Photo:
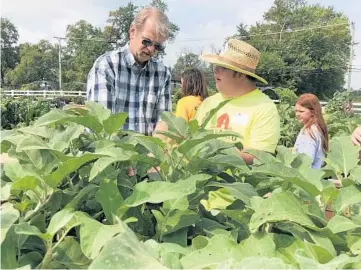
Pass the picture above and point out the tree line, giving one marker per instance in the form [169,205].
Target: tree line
[304,47]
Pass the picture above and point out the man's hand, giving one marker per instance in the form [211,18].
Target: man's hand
[161,126]
[356,137]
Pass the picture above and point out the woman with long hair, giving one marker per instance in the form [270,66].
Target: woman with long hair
[313,138]
[194,91]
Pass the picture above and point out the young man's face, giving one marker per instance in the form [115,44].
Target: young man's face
[144,43]
[226,81]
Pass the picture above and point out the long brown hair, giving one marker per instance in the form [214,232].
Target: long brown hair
[311,102]
[194,83]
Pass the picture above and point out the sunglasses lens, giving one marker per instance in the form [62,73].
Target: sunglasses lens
[147,42]
[159,47]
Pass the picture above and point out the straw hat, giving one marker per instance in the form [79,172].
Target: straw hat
[238,56]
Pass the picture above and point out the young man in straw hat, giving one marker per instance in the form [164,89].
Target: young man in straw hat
[250,113]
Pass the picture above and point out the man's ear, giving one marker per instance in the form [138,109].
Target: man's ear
[132,31]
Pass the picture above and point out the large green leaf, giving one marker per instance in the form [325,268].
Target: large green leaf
[347,196]
[88,121]
[14,170]
[5,190]
[53,116]
[31,259]
[8,248]
[61,140]
[219,249]
[285,155]
[338,262]
[110,199]
[262,156]
[59,220]
[176,125]
[208,117]
[203,137]
[280,207]
[27,229]
[100,165]
[69,254]
[31,142]
[343,155]
[8,216]
[261,262]
[259,244]
[68,167]
[218,200]
[114,122]
[97,110]
[94,235]
[356,174]
[153,145]
[167,253]
[293,175]
[25,183]
[240,191]
[125,251]
[43,132]
[175,220]
[157,192]
[341,224]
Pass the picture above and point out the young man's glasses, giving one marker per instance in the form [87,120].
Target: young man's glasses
[147,43]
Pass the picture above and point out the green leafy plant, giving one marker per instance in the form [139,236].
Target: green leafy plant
[69,201]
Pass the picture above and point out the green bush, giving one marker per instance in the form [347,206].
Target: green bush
[68,201]
[23,111]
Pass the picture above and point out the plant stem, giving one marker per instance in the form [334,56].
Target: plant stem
[39,209]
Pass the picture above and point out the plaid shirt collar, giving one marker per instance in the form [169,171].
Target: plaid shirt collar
[129,57]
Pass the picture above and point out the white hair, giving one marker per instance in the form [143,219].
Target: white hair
[161,21]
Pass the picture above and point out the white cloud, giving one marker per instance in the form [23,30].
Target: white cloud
[43,19]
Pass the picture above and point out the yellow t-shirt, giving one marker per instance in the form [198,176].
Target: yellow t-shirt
[254,116]
[187,106]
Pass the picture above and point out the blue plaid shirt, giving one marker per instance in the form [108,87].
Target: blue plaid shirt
[120,84]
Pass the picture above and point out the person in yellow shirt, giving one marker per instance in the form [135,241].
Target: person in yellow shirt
[194,91]
[250,113]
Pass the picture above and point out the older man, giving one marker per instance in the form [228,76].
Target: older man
[130,80]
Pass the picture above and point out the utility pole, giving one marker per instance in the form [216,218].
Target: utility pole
[59,40]
[351,57]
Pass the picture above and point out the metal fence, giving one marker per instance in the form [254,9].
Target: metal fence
[43,93]
[356,107]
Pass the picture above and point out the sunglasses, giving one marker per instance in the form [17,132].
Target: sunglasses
[147,43]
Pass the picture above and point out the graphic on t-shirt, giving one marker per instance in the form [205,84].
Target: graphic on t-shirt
[223,121]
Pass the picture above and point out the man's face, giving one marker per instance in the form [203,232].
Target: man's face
[226,81]
[144,43]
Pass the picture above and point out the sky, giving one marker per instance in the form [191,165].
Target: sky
[204,24]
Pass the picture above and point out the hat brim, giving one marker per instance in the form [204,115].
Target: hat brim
[215,59]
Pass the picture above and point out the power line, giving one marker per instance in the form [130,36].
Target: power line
[268,34]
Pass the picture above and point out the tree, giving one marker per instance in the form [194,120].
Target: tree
[119,21]
[37,62]
[9,48]
[85,43]
[187,60]
[191,60]
[311,60]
